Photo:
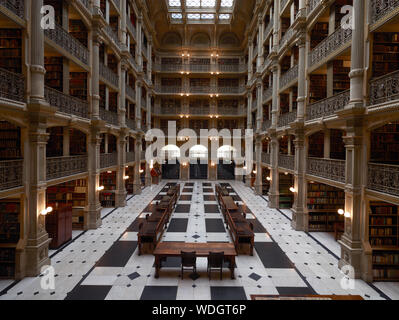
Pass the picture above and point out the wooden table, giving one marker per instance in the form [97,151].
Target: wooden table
[174,249]
[229,203]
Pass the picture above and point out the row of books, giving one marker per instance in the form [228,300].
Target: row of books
[381,221]
[317,200]
[386,258]
[386,273]
[378,242]
[382,231]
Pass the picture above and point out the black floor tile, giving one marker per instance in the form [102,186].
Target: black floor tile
[171,262]
[258,227]
[186,197]
[211,208]
[159,293]
[207,190]
[214,225]
[118,255]
[272,256]
[183,208]
[134,227]
[295,291]
[206,184]
[178,225]
[209,198]
[88,293]
[187,190]
[189,184]
[228,293]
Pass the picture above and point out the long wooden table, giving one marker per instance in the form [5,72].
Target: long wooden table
[174,249]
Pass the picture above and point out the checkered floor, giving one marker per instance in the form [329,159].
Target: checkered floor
[104,263]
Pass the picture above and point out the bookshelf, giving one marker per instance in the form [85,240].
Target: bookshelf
[71,194]
[10,141]
[265,182]
[11,50]
[337,145]
[107,196]
[129,182]
[54,72]
[341,81]
[385,144]
[79,146]
[78,85]
[323,202]
[286,198]
[383,237]
[316,145]
[385,53]
[284,103]
[318,34]
[59,225]
[55,142]
[78,30]
[317,87]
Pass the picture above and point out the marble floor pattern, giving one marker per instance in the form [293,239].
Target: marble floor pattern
[104,263]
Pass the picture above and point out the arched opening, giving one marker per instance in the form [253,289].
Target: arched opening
[226,166]
[171,167]
[198,162]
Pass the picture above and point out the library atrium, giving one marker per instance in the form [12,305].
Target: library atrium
[199,149]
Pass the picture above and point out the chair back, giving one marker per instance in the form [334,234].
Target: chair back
[216,259]
[188,259]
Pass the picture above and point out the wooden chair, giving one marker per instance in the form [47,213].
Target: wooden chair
[188,260]
[215,261]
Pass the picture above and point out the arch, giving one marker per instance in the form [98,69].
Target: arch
[228,40]
[198,151]
[172,39]
[200,39]
[227,151]
[170,151]
[14,120]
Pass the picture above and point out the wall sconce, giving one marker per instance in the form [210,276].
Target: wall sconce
[152,164]
[188,54]
[217,73]
[141,171]
[341,212]
[100,188]
[254,172]
[182,72]
[286,173]
[347,214]
[212,164]
[184,164]
[187,95]
[244,167]
[216,116]
[187,72]
[182,54]
[269,179]
[187,116]
[181,116]
[181,94]
[126,178]
[46,211]
[292,189]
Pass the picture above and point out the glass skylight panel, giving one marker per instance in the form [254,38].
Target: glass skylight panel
[193,3]
[226,3]
[207,16]
[174,3]
[224,16]
[208,3]
[178,16]
[194,16]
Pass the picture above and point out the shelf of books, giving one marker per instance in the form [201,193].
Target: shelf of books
[11,50]
[323,202]
[130,182]
[9,236]
[107,196]
[317,87]
[78,29]
[286,200]
[341,81]
[72,194]
[383,237]
[54,72]
[265,183]
[316,145]
[78,85]
[385,53]
[385,144]
[318,34]
[10,141]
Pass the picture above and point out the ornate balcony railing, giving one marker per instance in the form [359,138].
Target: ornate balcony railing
[60,167]
[286,161]
[130,92]
[131,27]
[236,90]
[266,157]
[108,160]
[232,67]
[268,28]
[332,43]
[385,88]
[312,4]
[109,75]
[66,103]
[380,8]
[327,168]
[199,110]
[230,111]
[11,174]
[199,67]
[255,51]
[130,157]
[383,178]
[16,6]
[66,41]
[131,124]
[266,125]
[109,116]
[286,118]
[85,3]
[201,89]
[169,67]
[12,86]
[117,3]
[168,89]
[283,3]
[167,110]
[328,106]
[287,37]
[288,77]
[267,94]
[111,34]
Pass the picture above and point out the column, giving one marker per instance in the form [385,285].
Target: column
[36,250]
[92,219]
[95,75]
[250,58]
[137,156]
[261,29]
[149,55]
[138,104]
[148,179]
[274,183]
[249,110]
[124,13]
[351,242]
[139,56]
[120,192]
[122,94]
[259,94]
[258,161]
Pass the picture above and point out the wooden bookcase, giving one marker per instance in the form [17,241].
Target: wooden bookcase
[384,240]
[11,50]
[78,29]
[385,53]
[286,197]
[318,34]
[107,196]
[341,81]
[337,145]
[54,72]
[265,182]
[316,145]
[10,141]
[78,85]
[385,144]
[323,202]
[318,87]
[59,225]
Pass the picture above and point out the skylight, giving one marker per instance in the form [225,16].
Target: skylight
[200,11]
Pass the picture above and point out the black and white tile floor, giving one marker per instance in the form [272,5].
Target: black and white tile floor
[104,263]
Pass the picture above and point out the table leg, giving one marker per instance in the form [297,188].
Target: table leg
[232,264]
[157,266]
